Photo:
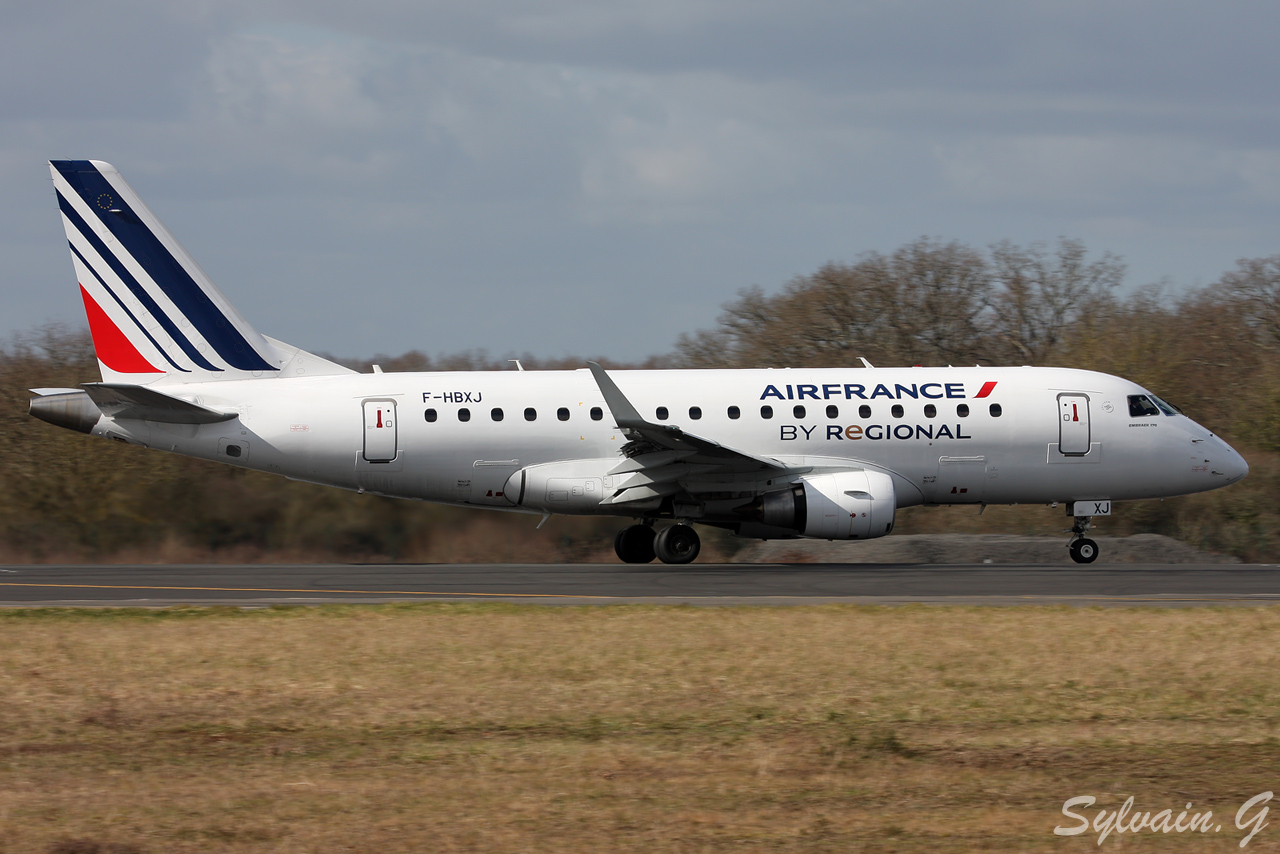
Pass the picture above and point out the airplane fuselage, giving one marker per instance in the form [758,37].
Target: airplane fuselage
[459,438]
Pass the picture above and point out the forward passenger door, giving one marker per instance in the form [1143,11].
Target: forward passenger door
[1073,424]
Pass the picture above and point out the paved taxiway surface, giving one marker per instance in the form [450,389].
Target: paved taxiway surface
[583,584]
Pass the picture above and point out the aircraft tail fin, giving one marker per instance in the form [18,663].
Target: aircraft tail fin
[154,315]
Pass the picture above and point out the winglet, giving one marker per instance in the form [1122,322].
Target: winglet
[623,412]
[668,437]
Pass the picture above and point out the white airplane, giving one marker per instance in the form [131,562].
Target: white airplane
[823,453]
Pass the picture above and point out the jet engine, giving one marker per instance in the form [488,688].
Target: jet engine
[570,486]
[847,505]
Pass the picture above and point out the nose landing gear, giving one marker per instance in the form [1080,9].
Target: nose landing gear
[1083,549]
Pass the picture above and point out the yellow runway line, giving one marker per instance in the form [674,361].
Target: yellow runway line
[284,590]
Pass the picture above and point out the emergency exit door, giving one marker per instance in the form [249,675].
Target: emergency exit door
[379,431]
[1073,424]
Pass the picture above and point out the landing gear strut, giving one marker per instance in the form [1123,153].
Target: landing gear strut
[635,544]
[1083,549]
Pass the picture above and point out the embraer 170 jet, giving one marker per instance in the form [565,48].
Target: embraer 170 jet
[824,453]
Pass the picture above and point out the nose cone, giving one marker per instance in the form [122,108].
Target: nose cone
[1230,464]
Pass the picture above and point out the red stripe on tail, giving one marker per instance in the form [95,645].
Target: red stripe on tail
[114,349]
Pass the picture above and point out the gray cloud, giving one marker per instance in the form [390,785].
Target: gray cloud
[595,177]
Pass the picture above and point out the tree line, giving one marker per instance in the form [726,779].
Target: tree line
[1214,351]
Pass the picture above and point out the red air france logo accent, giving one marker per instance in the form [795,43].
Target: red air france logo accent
[114,349]
[987,388]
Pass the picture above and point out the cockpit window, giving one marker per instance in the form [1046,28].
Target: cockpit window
[1165,406]
[1140,406]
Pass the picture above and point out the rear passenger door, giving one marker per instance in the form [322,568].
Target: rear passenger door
[379,431]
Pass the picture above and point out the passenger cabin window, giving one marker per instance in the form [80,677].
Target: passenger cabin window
[430,415]
[897,410]
[662,413]
[766,411]
[531,414]
[996,410]
[464,414]
[563,413]
[930,411]
[864,411]
[735,413]
[798,411]
[1140,406]
[833,411]
[495,414]
[963,410]
[695,412]
[596,413]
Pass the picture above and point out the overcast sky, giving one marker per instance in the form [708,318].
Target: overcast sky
[594,177]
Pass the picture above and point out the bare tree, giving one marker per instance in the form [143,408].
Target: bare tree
[927,303]
[1042,294]
[941,296]
[1255,284]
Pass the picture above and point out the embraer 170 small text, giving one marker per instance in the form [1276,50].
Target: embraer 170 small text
[826,453]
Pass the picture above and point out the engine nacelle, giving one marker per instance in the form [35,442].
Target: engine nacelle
[849,505]
[570,486]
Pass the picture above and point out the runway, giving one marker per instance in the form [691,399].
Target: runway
[599,584]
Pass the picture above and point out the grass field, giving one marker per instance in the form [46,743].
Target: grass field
[438,728]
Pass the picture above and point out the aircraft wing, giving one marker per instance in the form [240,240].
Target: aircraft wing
[660,456]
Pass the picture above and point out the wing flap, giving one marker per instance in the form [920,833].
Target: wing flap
[649,461]
[636,494]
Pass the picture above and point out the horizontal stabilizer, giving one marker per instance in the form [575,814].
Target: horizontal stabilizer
[119,400]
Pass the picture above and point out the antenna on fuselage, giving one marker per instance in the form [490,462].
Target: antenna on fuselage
[865,363]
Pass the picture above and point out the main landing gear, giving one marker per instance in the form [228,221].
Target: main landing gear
[635,544]
[1083,549]
[639,544]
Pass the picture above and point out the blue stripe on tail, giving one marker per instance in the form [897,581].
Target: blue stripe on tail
[87,232]
[164,269]
[125,308]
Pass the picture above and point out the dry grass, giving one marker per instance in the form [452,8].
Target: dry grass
[503,728]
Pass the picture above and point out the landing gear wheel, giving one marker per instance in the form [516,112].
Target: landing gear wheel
[1084,550]
[677,544]
[634,544]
